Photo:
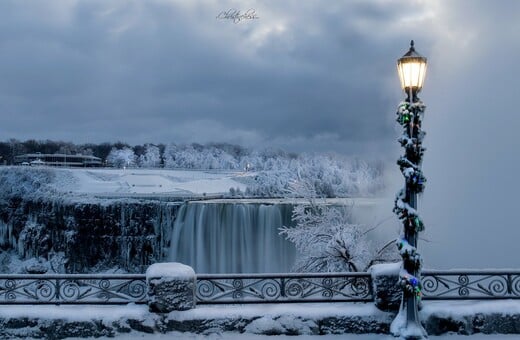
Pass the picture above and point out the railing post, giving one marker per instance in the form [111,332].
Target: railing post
[387,294]
[171,286]
[57,293]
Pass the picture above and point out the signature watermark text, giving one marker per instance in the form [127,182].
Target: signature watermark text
[237,16]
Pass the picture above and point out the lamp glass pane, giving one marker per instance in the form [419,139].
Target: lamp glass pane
[400,72]
[422,75]
[411,73]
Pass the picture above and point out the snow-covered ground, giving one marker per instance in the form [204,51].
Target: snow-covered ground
[265,317]
[108,181]
[234,336]
[140,182]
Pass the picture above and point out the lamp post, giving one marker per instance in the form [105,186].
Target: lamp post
[412,70]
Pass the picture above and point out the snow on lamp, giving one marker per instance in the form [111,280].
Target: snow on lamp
[412,70]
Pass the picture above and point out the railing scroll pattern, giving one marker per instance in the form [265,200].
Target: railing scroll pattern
[252,288]
[282,288]
[72,289]
[471,284]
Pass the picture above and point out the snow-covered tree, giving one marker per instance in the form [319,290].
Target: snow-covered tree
[196,156]
[327,240]
[28,183]
[121,157]
[151,157]
[332,175]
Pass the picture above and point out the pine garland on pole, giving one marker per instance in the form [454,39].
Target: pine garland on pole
[410,114]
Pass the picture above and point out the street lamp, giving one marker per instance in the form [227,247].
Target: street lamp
[412,70]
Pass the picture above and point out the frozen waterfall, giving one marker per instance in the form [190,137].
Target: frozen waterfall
[232,238]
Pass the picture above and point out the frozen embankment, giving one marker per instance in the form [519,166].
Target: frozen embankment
[439,317]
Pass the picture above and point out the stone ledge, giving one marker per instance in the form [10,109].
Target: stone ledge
[470,317]
[387,292]
[58,322]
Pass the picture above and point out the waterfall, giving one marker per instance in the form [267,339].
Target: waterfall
[232,238]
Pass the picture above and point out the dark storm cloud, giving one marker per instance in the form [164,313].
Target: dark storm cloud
[166,71]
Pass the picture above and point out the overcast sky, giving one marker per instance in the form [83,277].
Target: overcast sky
[304,76]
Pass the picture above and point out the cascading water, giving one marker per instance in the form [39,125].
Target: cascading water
[232,238]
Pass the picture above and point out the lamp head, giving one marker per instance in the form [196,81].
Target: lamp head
[412,71]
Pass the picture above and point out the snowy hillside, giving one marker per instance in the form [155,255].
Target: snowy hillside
[357,179]
[119,182]
[151,181]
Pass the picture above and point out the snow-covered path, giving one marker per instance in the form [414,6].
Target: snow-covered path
[234,336]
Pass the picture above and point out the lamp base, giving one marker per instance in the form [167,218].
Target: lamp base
[407,329]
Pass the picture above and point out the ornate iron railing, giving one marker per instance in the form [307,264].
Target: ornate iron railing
[471,284]
[252,288]
[268,288]
[72,289]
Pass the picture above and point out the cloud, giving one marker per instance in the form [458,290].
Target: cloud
[127,69]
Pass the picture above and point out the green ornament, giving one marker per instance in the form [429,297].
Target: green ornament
[418,223]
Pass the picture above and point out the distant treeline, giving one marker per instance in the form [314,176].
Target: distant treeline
[153,155]
[13,147]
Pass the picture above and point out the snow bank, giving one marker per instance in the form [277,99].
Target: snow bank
[76,313]
[460,309]
[440,317]
[306,311]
